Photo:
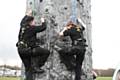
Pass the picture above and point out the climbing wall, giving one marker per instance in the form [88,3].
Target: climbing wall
[57,13]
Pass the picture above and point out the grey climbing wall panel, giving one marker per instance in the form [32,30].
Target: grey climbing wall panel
[57,13]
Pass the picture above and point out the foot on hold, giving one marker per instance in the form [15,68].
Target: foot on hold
[38,70]
[70,68]
[57,48]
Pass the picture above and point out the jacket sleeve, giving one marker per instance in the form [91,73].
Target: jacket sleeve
[24,20]
[83,25]
[40,28]
[66,33]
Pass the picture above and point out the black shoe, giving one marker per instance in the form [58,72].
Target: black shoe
[70,68]
[38,70]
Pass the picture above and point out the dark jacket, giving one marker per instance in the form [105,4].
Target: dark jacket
[75,33]
[28,33]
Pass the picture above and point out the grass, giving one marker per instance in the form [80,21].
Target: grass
[9,78]
[104,78]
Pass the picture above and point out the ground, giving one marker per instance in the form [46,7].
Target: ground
[9,78]
[104,78]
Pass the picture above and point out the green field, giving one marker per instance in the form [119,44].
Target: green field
[9,78]
[104,78]
[14,78]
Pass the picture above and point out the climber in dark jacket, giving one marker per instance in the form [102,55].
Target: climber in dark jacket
[73,56]
[27,47]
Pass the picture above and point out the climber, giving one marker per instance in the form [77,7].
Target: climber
[27,47]
[73,56]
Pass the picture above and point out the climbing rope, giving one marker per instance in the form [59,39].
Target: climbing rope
[74,11]
[32,7]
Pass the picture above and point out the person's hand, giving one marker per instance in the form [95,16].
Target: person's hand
[61,33]
[78,19]
[29,12]
[42,20]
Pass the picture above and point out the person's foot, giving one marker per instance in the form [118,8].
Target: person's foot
[70,68]
[38,70]
[57,48]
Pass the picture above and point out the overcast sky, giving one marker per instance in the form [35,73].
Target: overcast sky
[11,13]
[105,31]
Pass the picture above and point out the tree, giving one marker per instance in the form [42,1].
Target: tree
[57,13]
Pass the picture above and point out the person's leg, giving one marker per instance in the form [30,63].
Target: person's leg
[26,59]
[41,56]
[28,69]
[67,59]
[79,60]
[29,75]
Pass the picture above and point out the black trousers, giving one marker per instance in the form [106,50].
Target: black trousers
[73,57]
[26,56]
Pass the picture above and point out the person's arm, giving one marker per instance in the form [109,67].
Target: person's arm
[62,32]
[83,25]
[40,28]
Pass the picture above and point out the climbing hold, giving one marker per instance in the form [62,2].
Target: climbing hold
[30,3]
[41,0]
[53,17]
[46,10]
[65,8]
[82,4]
[34,13]
[56,24]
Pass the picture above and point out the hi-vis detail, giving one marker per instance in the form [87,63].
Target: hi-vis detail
[78,28]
